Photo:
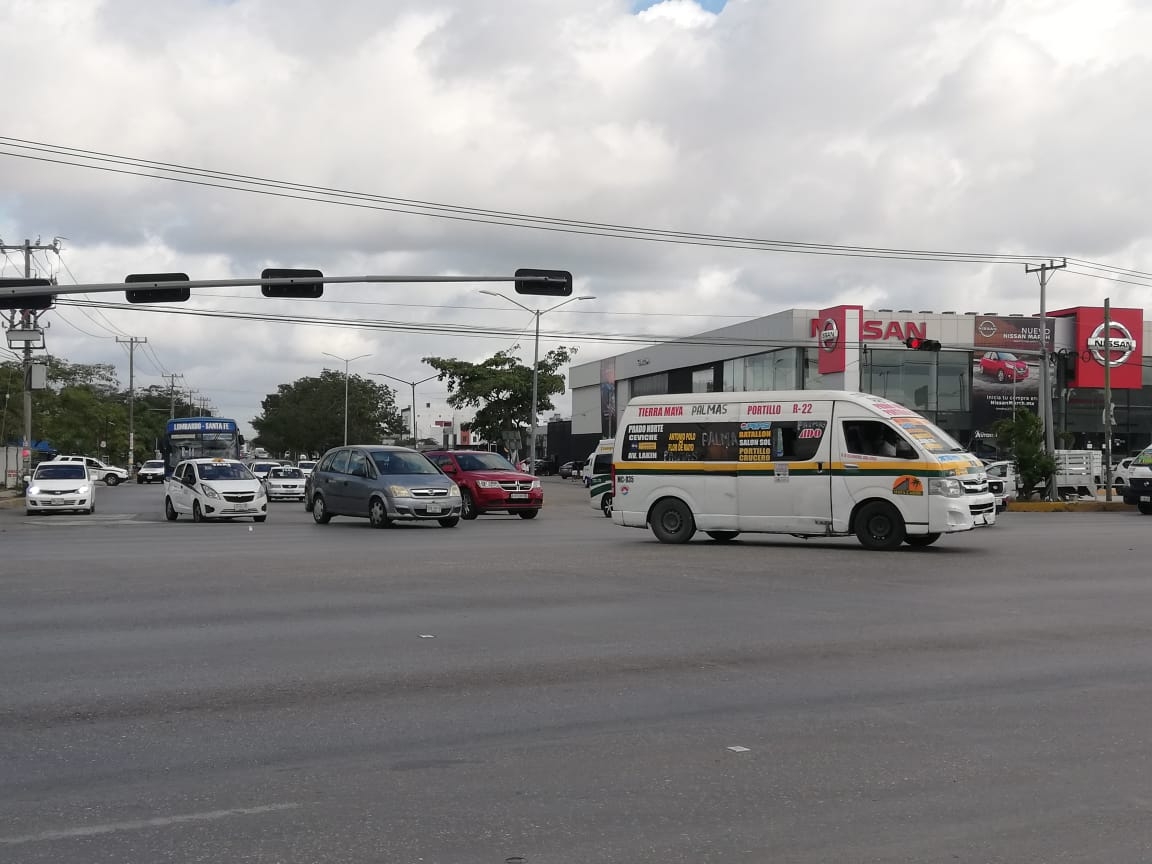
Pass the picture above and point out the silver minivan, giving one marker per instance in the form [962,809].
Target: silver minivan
[384,484]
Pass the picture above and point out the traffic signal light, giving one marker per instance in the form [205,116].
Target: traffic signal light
[548,283]
[918,343]
[301,290]
[156,295]
[26,301]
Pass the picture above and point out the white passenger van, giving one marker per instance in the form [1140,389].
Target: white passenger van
[810,463]
[598,476]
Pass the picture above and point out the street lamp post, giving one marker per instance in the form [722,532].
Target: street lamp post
[345,361]
[535,363]
[411,384]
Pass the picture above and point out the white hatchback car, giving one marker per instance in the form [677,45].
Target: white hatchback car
[285,483]
[60,486]
[214,489]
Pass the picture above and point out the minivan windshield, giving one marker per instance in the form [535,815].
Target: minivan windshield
[399,462]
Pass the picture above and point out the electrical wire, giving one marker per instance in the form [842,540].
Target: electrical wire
[175,172]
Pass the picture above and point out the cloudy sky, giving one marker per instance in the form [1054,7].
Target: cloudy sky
[975,126]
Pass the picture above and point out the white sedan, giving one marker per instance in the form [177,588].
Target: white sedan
[285,484]
[60,486]
[214,489]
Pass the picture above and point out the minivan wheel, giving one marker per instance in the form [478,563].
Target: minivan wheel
[723,536]
[879,526]
[672,521]
[320,511]
[169,511]
[378,513]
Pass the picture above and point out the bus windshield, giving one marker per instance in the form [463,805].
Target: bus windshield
[199,438]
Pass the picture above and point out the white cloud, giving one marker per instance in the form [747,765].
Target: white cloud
[977,126]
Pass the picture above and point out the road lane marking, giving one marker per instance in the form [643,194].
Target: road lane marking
[139,824]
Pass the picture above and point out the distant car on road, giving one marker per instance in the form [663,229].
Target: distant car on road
[151,471]
[261,467]
[1003,366]
[285,484]
[110,474]
[214,489]
[60,486]
[307,466]
[570,469]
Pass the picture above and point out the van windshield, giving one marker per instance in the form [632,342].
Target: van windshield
[929,436]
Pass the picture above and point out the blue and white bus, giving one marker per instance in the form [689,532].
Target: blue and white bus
[199,438]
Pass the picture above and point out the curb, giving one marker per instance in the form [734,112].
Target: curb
[1070,507]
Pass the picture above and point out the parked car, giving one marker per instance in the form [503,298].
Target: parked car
[151,471]
[384,484]
[214,489]
[1003,366]
[571,470]
[1121,471]
[285,484]
[1002,483]
[489,483]
[110,474]
[1138,490]
[60,486]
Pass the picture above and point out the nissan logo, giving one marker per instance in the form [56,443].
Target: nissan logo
[1104,345]
[987,328]
[829,335]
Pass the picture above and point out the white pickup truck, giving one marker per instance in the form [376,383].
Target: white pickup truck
[97,470]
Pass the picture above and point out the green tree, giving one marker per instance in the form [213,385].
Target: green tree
[83,410]
[307,416]
[500,389]
[1023,436]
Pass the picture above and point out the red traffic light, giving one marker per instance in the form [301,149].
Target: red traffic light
[918,343]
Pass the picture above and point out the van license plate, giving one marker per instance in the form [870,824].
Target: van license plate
[519,496]
[433,508]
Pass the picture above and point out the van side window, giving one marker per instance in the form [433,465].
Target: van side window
[602,464]
[724,441]
[875,438]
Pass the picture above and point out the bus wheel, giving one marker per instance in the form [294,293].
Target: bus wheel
[722,536]
[672,521]
[921,539]
[606,506]
[879,526]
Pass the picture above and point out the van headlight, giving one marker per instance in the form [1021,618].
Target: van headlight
[209,491]
[948,487]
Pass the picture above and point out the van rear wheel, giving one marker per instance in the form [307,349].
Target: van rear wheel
[606,505]
[921,539]
[879,526]
[672,521]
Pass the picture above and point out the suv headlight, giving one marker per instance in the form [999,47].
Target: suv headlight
[399,491]
[535,484]
[948,487]
[209,491]
[488,484]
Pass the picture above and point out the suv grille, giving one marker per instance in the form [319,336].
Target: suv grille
[516,485]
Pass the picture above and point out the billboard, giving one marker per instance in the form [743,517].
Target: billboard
[1011,333]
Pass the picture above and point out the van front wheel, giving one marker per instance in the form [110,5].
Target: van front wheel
[879,526]
[672,521]
[921,539]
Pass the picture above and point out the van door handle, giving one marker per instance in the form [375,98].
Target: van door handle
[851,466]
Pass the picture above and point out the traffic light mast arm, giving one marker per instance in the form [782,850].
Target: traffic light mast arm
[107,287]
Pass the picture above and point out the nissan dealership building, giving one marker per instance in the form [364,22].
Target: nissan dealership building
[987,364]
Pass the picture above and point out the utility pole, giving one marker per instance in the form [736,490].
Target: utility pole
[30,320]
[1045,400]
[1107,398]
[172,392]
[132,342]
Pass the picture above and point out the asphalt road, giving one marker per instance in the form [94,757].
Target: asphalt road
[563,690]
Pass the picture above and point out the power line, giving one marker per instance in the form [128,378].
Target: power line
[174,172]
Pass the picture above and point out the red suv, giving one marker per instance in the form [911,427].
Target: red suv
[489,482]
